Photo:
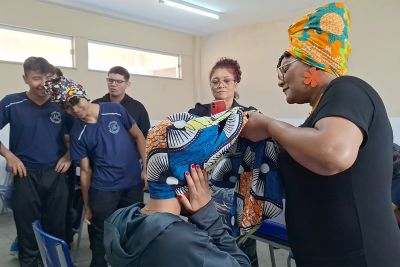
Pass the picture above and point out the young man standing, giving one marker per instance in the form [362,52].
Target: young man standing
[118,82]
[108,144]
[38,158]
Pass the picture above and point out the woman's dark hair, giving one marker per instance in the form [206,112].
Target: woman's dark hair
[285,54]
[228,63]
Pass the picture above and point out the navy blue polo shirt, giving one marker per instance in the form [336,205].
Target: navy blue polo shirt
[110,148]
[36,132]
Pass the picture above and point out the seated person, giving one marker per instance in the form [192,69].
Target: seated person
[155,234]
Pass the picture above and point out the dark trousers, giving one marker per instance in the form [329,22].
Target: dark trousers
[42,195]
[103,204]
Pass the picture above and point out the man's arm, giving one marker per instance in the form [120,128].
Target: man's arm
[141,146]
[14,164]
[86,178]
[64,162]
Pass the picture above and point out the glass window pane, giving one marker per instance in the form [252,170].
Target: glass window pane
[104,56]
[16,45]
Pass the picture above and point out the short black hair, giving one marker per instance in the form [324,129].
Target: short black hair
[121,71]
[59,72]
[38,64]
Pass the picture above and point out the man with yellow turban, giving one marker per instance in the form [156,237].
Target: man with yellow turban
[337,166]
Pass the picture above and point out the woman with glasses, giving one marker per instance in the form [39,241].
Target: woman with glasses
[337,166]
[224,77]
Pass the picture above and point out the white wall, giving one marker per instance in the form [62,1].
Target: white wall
[374,38]
[161,96]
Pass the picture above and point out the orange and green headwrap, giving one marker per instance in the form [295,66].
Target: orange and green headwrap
[320,38]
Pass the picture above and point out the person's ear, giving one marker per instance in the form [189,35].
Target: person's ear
[25,78]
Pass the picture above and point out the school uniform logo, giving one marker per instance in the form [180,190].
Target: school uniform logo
[55,117]
[113,127]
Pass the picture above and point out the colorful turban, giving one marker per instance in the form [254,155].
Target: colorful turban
[182,139]
[320,38]
[61,90]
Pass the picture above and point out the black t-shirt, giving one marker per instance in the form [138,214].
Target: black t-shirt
[345,219]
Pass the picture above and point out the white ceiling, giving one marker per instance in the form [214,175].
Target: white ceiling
[235,13]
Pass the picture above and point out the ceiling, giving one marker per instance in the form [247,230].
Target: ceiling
[235,13]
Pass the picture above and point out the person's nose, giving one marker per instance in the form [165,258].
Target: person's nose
[281,82]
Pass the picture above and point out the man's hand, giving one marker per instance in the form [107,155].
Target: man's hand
[88,215]
[199,190]
[15,165]
[63,163]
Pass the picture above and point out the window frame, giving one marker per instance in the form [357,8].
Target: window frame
[42,33]
[89,41]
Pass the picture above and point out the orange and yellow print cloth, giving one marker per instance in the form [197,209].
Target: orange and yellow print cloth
[320,38]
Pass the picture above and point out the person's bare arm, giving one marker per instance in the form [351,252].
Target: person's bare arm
[14,164]
[64,162]
[141,147]
[328,148]
[86,178]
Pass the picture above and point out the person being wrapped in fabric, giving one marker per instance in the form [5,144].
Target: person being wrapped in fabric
[179,150]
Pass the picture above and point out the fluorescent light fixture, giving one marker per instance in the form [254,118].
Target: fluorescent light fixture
[191,8]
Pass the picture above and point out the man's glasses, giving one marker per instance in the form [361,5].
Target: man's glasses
[112,81]
[226,82]
[281,71]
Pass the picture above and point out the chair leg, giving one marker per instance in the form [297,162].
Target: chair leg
[289,259]
[272,255]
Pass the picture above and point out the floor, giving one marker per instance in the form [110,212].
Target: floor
[82,259]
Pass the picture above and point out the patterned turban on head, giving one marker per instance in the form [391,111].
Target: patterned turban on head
[320,38]
[182,139]
[62,89]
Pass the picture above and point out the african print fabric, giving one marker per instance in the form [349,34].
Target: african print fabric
[320,38]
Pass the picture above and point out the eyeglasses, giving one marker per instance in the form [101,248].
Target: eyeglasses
[226,82]
[281,71]
[117,82]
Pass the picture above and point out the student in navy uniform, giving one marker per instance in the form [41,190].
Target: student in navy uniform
[38,158]
[109,144]
[117,82]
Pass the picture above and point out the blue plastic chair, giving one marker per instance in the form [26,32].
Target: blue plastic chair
[275,235]
[54,251]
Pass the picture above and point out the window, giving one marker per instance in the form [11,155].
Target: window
[104,56]
[17,44]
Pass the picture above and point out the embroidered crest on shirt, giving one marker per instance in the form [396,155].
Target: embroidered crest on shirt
[55,117]
[113,127]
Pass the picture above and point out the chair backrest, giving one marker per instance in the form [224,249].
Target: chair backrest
[54,251]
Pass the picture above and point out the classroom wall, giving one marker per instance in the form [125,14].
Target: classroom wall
[257,48]
[374,38]
[161,96]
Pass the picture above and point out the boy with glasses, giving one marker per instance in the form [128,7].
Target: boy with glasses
[117,82]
